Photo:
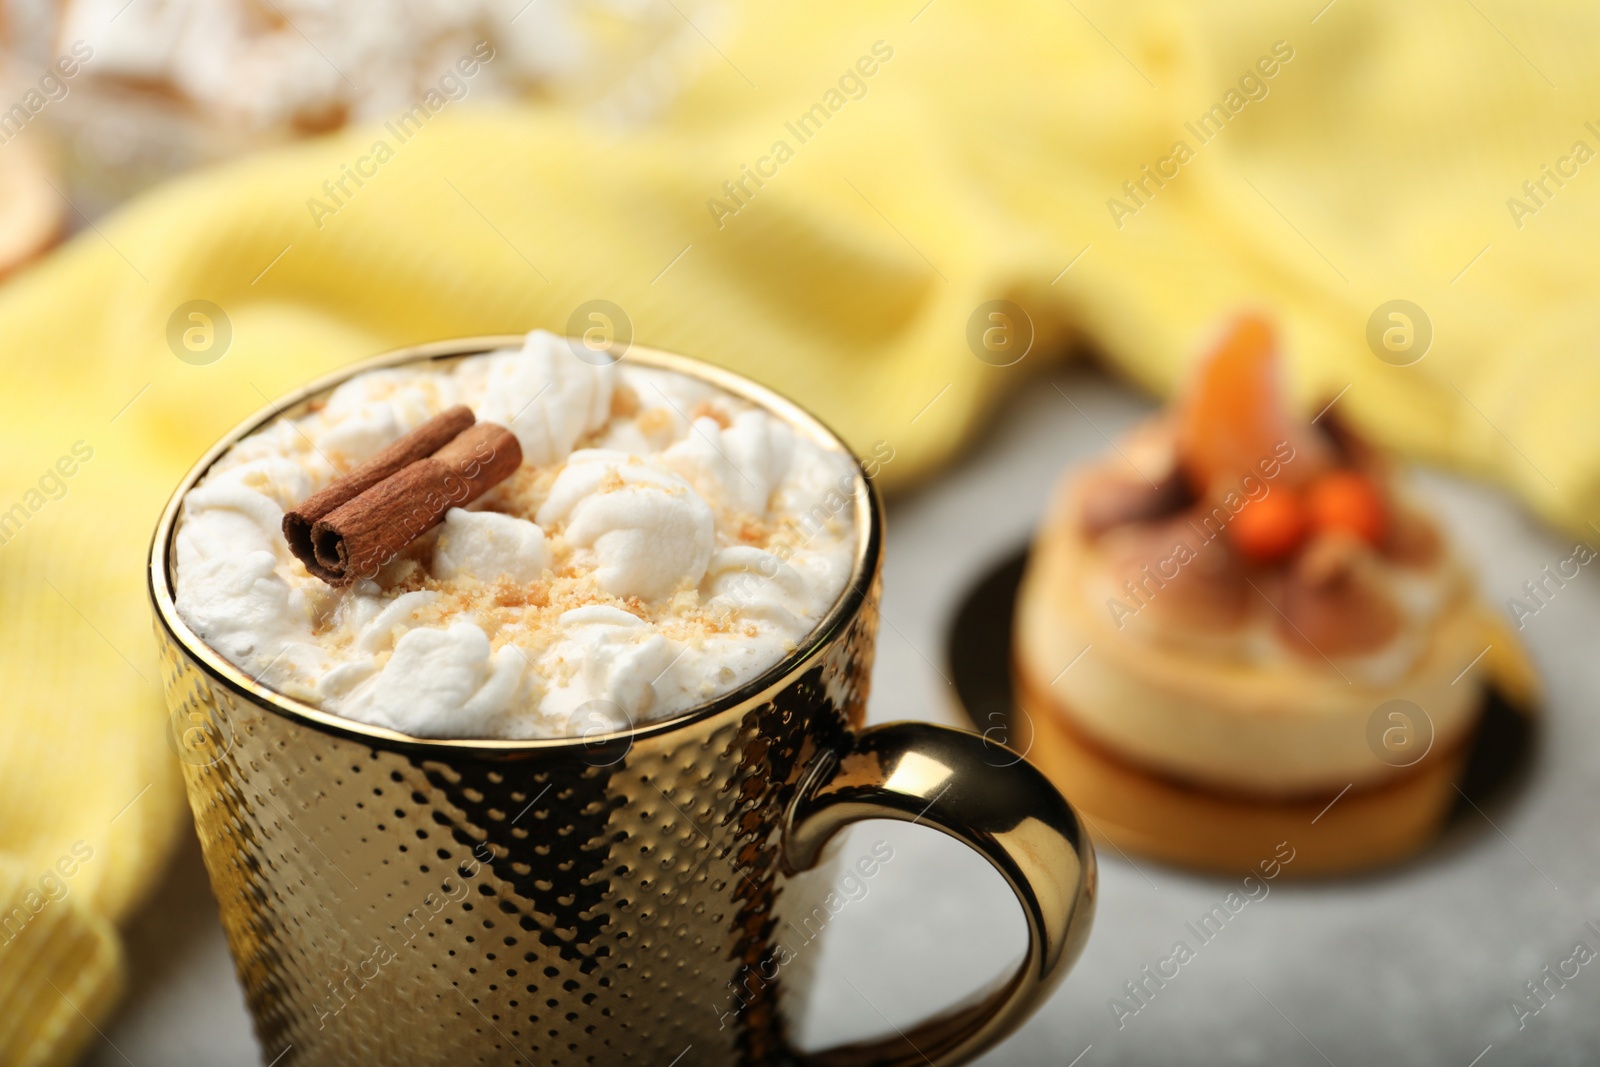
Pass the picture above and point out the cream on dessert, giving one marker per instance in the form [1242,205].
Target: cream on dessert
[662,543]
[1249,588]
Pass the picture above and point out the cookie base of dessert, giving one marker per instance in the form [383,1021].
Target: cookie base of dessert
[31,211]
[1146,814]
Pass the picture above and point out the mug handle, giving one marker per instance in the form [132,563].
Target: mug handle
[1007,811]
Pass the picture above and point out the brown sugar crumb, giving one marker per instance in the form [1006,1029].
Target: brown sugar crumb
[325,620]
[705,410]
[686,601]
[655,422]
[752,531]
[404,575]
[624,401]
[522,493]
[509,594]
[452,602]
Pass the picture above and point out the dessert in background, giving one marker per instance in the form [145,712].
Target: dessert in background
[630,542]
[162,86]
[31,212]
[1239,617]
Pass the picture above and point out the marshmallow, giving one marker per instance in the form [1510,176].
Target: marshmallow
[649,531]
[546,396]
[487,545]
[441,683]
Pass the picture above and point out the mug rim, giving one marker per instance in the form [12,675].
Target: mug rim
[161,564]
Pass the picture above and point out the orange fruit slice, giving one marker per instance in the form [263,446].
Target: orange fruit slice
[1234,414]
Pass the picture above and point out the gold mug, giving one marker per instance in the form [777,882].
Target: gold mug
[617,897]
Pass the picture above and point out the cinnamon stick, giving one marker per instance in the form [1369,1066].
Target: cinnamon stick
[425,440]
[359,536]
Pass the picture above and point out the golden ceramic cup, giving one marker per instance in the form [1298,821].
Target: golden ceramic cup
[625,897]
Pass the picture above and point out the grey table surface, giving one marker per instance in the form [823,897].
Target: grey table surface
[1416,965]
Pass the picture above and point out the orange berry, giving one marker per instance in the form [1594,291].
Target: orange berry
[1269,529]
[1348,502]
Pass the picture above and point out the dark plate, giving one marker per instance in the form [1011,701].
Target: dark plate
[978,649]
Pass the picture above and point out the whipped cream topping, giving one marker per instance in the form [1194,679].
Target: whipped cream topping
[663,543]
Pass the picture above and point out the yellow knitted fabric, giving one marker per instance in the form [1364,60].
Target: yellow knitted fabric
[933,158]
